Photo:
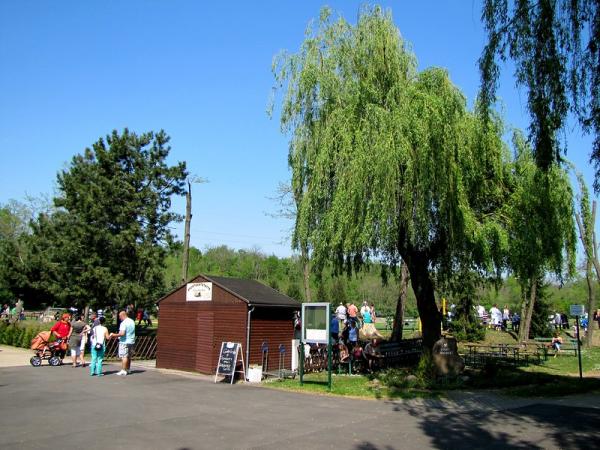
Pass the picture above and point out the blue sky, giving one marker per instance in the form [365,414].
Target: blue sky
[72,71]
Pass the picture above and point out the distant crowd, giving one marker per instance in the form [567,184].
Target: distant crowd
[501,319]
[12,313]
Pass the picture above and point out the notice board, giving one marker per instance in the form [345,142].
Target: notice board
[228,359]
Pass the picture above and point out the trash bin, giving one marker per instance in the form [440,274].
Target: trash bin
[255,374]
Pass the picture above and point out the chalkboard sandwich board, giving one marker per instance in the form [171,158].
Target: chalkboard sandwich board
[228,359]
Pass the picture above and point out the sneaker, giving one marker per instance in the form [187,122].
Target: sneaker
[122,372]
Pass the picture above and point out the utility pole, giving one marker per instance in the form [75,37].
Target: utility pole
[186,239]
[188,220]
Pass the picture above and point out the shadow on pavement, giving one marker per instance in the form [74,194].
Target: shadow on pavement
[532,426]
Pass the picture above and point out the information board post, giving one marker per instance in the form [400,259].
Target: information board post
[329,358]
[301,368]
[316,318]
[579,348]
[578,311]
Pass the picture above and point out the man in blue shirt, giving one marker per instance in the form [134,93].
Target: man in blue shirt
[334,328]
[126,337]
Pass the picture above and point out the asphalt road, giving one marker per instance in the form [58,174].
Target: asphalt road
[65,408]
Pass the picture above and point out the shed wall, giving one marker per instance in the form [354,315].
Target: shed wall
[274,326]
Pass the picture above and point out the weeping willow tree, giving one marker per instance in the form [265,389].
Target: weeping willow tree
[540,224]
[555,48]
[387,162]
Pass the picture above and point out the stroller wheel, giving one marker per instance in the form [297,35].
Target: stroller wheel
[35,361]
[54,361]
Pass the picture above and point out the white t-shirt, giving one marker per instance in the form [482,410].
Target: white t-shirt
[341,312]
[496,315]
[480,310]
[98,334]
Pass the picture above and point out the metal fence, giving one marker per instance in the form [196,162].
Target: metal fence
[145,348]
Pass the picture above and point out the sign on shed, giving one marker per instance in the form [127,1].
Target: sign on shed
[198,292]
[228,359]
[577,310]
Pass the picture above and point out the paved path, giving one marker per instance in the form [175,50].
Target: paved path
[63,407]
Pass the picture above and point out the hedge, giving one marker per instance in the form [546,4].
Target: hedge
[20,334]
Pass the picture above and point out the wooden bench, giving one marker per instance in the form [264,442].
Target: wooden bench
[569,346]
[478,355]
[410,324]
[407,351]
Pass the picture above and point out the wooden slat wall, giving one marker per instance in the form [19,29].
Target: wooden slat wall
[230,326]
[176,336]
[274,326]
[204,347]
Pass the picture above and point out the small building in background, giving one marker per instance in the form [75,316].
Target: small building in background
[194,319]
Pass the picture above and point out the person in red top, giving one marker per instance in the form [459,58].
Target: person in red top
[62,330]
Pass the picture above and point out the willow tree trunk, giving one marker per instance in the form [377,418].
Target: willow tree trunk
[398,327]
[585,236]
[591,305]
[527,312]
[422,284]
[186,239]
[306,273]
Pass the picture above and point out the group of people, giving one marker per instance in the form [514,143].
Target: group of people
[355,324]
[14,313]
[499,319]
[76,333]
[142,315]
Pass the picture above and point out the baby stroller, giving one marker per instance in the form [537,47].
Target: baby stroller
[54,352]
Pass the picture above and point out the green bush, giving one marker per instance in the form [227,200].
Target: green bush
[395,378]
[425,371]
[20,334]
[465,330]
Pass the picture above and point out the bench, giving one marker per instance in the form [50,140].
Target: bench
[407,351]
[410,324]
[511,355]
[569,346]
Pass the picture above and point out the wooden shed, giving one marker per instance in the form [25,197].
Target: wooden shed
[194,319]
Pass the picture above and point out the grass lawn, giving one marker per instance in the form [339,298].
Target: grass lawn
[555,377]
[347,385]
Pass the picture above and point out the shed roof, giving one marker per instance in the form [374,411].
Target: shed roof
[254,292]
[250,291]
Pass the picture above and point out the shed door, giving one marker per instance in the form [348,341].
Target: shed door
[204,355]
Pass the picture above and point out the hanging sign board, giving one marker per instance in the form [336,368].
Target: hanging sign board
[577,310]
[315,322]
[228,359]
[198,292]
